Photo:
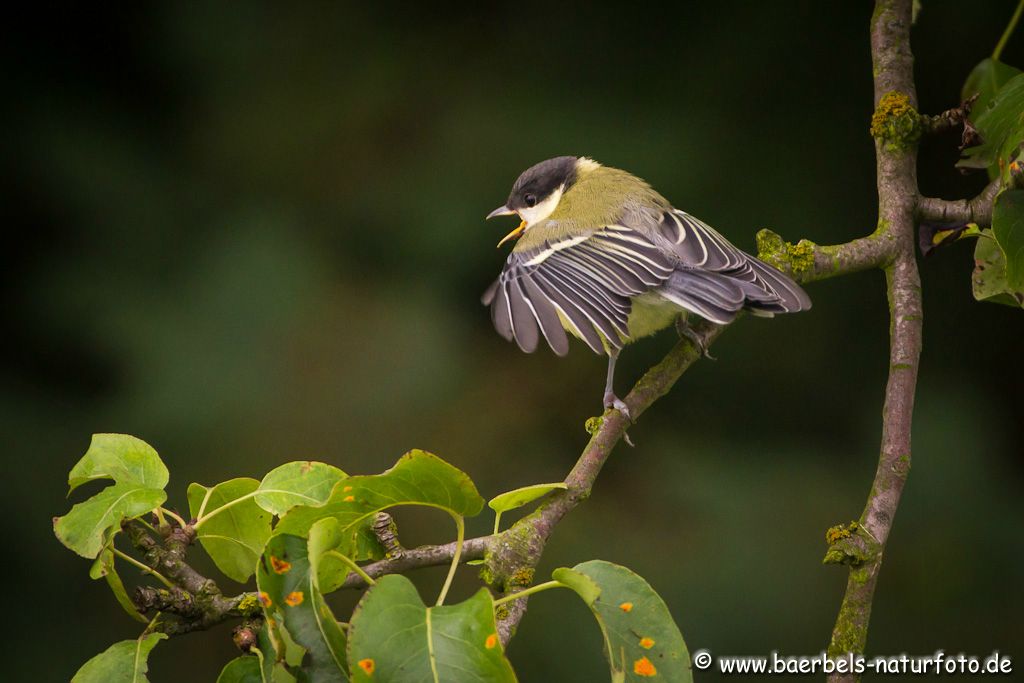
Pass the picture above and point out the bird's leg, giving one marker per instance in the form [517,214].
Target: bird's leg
[687,332]
[610,399]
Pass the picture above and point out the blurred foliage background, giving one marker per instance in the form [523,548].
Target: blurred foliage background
[250,233]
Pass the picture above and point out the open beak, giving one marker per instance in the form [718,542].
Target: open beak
[515,233]
[500,211]
[505,211]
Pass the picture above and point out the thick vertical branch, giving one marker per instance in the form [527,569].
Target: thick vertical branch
[896,127]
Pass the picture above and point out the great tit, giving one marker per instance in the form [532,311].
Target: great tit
[603,256]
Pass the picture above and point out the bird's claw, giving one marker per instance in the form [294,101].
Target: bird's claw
[613,401]
[688,332]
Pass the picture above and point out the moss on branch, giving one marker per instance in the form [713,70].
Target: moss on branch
[896,123]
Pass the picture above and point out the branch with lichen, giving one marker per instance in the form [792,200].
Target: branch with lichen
[861,546]
[194,602]
[806,261]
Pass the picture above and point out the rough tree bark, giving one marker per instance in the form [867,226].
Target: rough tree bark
[896,152]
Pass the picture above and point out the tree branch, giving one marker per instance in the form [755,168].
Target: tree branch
[195,602]
[895,147]
[977,210]
[949,119]
[415,558]
[809,262]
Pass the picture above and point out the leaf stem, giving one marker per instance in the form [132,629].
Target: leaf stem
[529,591]
[144,568]
[497,522]
[205,518]
[175,516]
[159,512]
[996,53]
[460,529]
[206,499]
[353,566]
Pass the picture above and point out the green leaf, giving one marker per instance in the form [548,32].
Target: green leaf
[286,578]
[123,458]
[274,648]
[988,281]
[641,639]
[244,669]
[393,636]
[1001,127]
[510,500]
[1008,230]
[582,584]
[418,478]
[234,537]
[297,483]
[90,524]
[124,662]
[324,536]
[103,568]
[985,80]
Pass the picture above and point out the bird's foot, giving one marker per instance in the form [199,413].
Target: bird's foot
[613,401]
[687,332]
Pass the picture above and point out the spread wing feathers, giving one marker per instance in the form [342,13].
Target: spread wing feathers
[585,281]
[700,246]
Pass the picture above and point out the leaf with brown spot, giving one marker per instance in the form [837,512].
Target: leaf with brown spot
[641,641]
[408,641]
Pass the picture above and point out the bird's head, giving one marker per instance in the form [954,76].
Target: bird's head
[536,192]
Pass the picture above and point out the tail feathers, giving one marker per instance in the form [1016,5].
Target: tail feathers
[792,297]
[719,296]
[710,295]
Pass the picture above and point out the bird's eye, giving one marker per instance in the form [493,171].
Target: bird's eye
[531,200]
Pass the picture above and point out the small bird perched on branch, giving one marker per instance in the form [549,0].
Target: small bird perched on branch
[603,256]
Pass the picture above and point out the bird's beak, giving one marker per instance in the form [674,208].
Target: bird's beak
[505,211]
[500,211]
[515,233]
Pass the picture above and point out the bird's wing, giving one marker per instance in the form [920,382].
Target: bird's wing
[700,247]
[585,280]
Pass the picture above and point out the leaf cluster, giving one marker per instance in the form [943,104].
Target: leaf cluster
[997,119]
[302,530]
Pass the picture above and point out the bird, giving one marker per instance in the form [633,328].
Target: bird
[601,255]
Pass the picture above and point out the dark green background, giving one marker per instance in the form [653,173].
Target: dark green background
[252,234]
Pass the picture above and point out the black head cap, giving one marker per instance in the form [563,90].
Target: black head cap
[538,182]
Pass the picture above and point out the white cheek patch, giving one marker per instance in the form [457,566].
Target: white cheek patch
[541,211]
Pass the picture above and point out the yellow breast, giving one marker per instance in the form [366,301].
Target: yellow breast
[650,313]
